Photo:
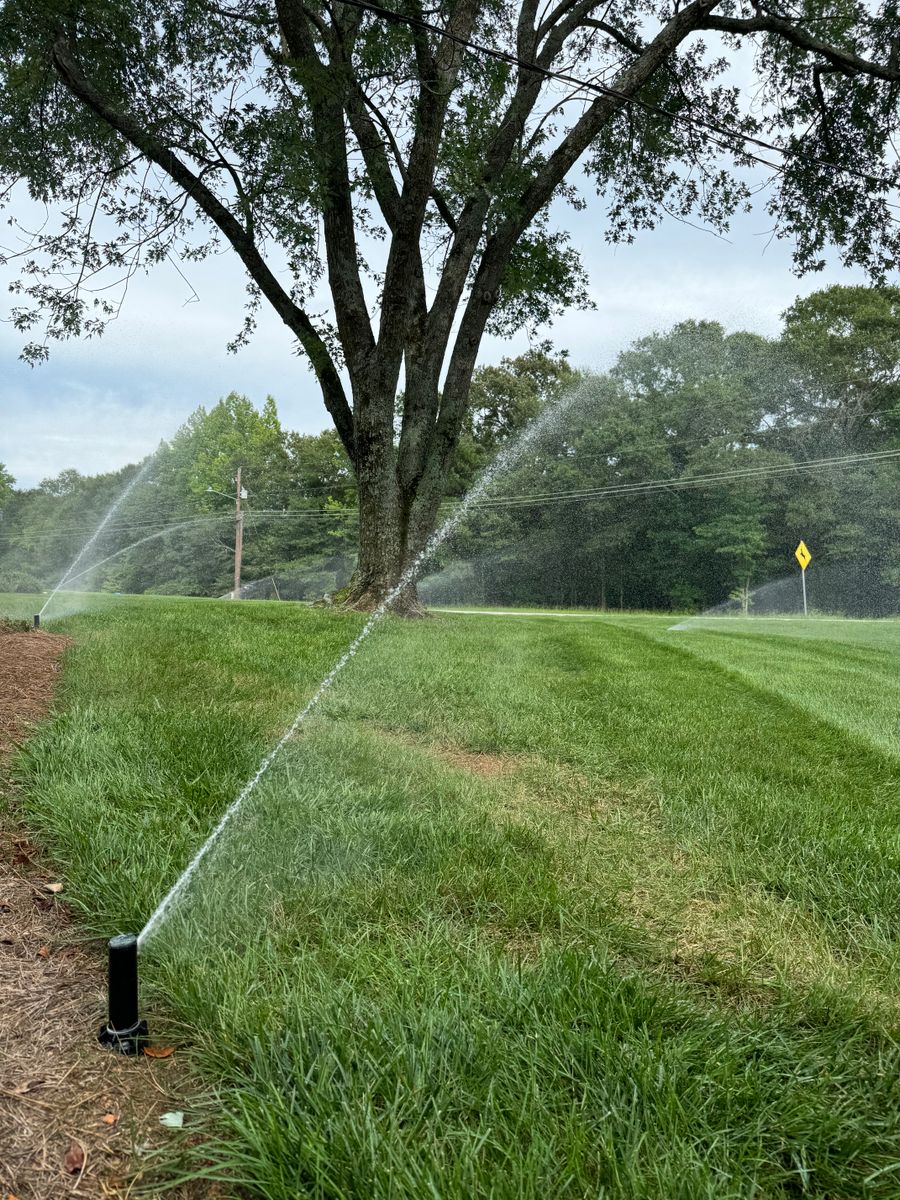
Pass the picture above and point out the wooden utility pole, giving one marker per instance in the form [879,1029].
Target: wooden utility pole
[238,538]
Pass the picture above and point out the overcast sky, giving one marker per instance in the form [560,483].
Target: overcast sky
[100,404]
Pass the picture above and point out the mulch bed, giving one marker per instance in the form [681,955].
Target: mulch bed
[29,665]
[75,1120]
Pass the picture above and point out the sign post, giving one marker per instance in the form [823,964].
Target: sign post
[804,558]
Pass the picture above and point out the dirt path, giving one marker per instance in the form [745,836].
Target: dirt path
[75,1120]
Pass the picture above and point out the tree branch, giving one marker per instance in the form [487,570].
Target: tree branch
[630,43]
[374,154]
[136,133]
[363,127]
[536,195]
[843,60]
[325,87]
[562,9]
[817,72]
[434,97]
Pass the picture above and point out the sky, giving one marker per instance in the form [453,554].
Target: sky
[100,404]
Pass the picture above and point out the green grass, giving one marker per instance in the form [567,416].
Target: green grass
[531,908]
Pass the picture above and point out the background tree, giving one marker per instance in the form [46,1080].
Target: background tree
[740,536]
[400,138]
[502,401]
[674,479]
[844,343]
[300,518]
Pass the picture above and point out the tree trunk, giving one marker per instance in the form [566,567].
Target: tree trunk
[401,484]
[397,515]
[384,551]
[385,558]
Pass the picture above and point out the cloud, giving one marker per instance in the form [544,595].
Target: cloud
[79,427]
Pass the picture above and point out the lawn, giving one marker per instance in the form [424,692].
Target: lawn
[529,908]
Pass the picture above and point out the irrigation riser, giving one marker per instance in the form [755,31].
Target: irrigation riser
[124,1030]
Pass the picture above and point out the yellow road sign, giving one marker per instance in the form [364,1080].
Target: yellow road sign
[803,556]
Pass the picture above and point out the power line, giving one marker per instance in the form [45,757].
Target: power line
[24,538]
[678,483]
[520,499]
[51,535]
[708,438]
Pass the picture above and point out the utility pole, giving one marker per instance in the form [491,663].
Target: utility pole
[238,538]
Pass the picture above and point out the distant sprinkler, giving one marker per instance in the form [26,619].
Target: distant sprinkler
[124,1031]
[37,620]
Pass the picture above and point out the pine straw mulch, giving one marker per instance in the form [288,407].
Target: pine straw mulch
[75,1119]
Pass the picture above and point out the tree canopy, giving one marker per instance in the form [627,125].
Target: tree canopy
[408,160]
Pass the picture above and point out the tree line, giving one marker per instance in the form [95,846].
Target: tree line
[688,473]
[681,477]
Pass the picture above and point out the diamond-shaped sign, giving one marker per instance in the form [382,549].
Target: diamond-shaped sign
[803,556]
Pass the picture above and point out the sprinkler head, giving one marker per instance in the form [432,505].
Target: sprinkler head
[37,620]
[124,1031]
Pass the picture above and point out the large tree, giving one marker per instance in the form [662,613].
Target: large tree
[408,157]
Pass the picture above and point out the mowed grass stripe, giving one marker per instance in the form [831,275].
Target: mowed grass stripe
[771,797]
[788,800]
[854,687]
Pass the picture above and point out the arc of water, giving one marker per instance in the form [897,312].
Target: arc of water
[504,460]
[140,542]
[68,576]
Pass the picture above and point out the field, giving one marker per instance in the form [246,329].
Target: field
[530,908]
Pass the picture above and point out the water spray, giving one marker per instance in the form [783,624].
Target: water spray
[504,460]
[69,576]
[124,1030]
[124,550]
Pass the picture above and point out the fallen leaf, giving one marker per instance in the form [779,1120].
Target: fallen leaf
[55,888]
[74,1159]
[110,1118]
[44,952]
[159,1051]
[172,1120]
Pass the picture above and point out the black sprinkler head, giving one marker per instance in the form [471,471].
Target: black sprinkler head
[124,1031]
[37,620]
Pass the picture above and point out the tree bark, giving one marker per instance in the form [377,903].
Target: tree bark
[383,574]
[398,505]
